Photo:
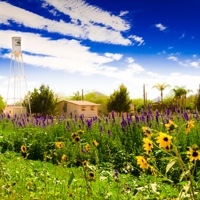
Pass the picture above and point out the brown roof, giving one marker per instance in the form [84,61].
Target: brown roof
[81,103]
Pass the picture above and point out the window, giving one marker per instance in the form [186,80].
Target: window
[92,107]
[82,108]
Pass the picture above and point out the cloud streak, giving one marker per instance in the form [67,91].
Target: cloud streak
[109,32]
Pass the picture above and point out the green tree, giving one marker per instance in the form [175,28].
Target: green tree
[2,104]
[96,97]
[76,96]
[119,101]
[161,87]
[139,104]
[180,96]
[99,98]
[42,101]
[197,100]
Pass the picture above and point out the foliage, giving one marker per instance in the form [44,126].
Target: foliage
[119,101]
[180,94]
[96,97]
[76,96]
[197,101]
[191,102]
[2,104]
[42,101]
[139,104]
[89,158]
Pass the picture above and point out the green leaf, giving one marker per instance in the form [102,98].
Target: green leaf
[70,179]
[170,164]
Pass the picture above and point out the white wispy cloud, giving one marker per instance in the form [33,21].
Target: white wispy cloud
[88,29]
[186,63]
[172,58]
[79,9]
[66,55]
[160,26]
[114,56]
[130,60]
[122,13]
[137,39]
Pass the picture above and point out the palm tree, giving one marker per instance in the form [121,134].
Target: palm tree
[161,87]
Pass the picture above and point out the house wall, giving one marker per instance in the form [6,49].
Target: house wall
[18,110]
[88,111]
[65,108]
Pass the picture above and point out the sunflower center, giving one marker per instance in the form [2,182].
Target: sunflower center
[149,144]
[195,154]
[165,139]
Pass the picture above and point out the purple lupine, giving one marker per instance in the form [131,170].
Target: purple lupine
[137,118]
[71,115]
[101,128]
[113,114]
[168,111]
[109,133]
[89,123]
[157,116]
[185,115]
[142,118]
[197,116]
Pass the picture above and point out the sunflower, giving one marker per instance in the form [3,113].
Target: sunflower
[189,125]
[73,135]
[193,154]
[87,147]
[95,143]
[85,163]
[80,131]
[147,131]
[77,139]
[142,162]
[59,145]
[148,145]
[171,126]
[91,176]
[23,149]
[164,140]
[64,158]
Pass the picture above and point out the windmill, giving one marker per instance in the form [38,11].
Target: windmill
[17,86]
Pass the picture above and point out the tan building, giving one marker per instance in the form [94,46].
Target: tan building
[12,110]
[68,107]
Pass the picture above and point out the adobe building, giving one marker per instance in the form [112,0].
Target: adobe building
[12,110]
[74,107]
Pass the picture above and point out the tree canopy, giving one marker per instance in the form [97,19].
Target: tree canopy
[42,101]
[2,104]
[119,101]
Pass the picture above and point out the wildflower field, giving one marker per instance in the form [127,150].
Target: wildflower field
[144,156]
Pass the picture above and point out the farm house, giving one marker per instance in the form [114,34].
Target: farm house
[72,107]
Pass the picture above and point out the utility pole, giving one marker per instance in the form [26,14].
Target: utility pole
[144,96]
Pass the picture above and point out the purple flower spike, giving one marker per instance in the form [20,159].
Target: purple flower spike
[109,134]
[101,128]
[185,115]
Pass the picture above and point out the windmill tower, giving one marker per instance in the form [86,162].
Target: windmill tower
[17,86]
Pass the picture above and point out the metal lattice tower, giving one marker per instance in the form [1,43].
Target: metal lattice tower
[17,86]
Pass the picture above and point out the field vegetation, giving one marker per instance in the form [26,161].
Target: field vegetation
[142,156]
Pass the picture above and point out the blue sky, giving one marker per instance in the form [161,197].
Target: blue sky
[95,45]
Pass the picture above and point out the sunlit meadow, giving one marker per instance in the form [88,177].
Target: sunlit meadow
[146,156]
